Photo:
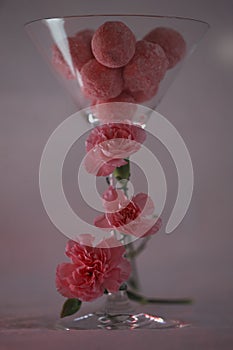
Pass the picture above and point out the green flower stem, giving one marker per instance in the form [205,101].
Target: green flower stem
[133,253]
[123,172]
[134,279]
[144,300]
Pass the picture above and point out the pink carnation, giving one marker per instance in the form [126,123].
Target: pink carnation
[92,270]
[132,217]
[109,144]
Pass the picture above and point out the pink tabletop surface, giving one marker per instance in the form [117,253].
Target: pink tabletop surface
[210,327]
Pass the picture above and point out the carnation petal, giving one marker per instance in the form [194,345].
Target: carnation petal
[145,203]
[154,229]
[110,194]
[102,222]
[108,168]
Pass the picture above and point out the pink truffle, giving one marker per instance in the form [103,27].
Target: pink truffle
[113,44]
[108,110]
[171,41]
[59,62]
[123,97]
[100,82]
[147,94]
[80,51]
[83,47]
[144,72]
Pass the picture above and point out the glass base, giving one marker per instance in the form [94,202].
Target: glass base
[118,313]
[119,322]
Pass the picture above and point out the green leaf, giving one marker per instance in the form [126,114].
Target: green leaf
[123,172]
[144,300]
[70,306]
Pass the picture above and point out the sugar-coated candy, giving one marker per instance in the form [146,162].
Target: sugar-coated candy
[79,51]
[171,41]
[113,44]
[83,47]
[123,97]
[100,82]
[146,94]
[109,110]
[59,62]
[144,72]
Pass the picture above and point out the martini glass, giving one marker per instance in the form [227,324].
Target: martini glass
[56,39]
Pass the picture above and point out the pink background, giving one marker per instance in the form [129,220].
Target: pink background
[197,259]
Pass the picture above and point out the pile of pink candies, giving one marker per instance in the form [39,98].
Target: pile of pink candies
[114,67]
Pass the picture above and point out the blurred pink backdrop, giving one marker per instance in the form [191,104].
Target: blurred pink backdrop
[194,261]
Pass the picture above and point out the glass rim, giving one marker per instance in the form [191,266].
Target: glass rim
[118,15]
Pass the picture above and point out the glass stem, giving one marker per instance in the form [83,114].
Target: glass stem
[134,278]
[119,180]
[118,304]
